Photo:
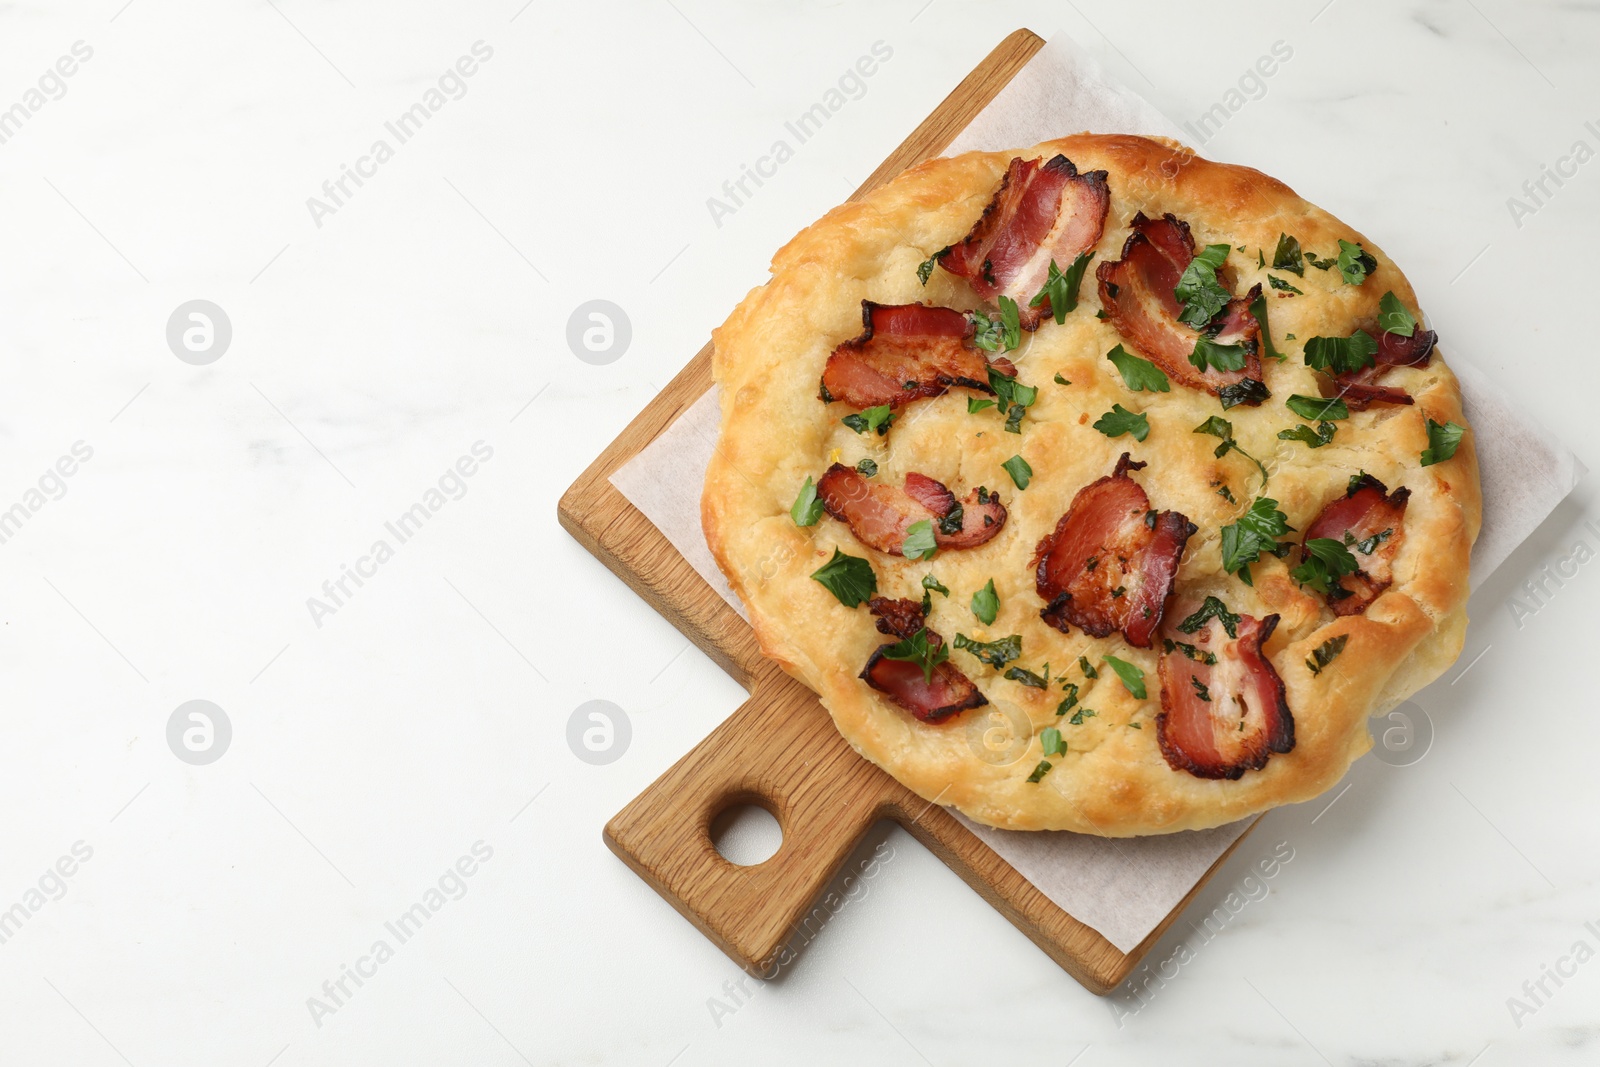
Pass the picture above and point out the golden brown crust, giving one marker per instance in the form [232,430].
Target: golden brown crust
[1113,779]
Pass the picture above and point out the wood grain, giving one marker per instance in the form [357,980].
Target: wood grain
[780,749]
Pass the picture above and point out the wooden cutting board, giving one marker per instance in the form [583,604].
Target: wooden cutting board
[780,749]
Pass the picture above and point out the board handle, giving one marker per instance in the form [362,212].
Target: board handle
[779,750]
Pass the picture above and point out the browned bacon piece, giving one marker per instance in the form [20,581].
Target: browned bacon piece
[879,514]
[931,700]
[1111,561]
[1137,294]
[1360,389]
[1373,518]
[1223,706]
[906,352]
[1041,212]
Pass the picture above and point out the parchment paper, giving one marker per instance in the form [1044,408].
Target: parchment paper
[1122,888]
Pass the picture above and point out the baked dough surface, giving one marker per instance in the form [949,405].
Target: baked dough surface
[1113,780]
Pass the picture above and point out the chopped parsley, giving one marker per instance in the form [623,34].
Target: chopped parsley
[1081,714]
[1119,421]
[873,420]
[925,269]
[1393,316]
[1326,653]
[1442,442]
[1256,532]
[1040,771]
[1282,286]
[1199,689]
[1258,310]
[1287,256]
[919,542]
[1027,678]
[1006,331]
[1355,263]
[1366,545]
[986,604]
[1199,291]
[1327,561]
[1087,668]
[848,578]
[995,653]
[1060,380]
[922,651]
[869,468]
[1050,739]
[975,404]
[806,509]
[1138,374]
[1341,355]
[1222,357]
[1069,699]
[1217,426]
[1210,608]
[1132,677]
[1019,470]
[1014,398]
[1061,288]
[1317,408]
[930,586]
[1198,655]
[1309,437]
[1244,391]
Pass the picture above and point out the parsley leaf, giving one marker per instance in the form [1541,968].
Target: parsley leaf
[1027,678]
[995,653]
[1282,286]
[848,578]
[1040,771]
[1070,698]
[1119,421]
[1355,263]
[1327,561]
[1081,714]
[1060,380]
[1132,677]
[986,604]
[1050,739]
[1316,408]
[1341,355]
[988,334]
[1256,532]
[1010,321]
[1222,357]
[920,650]
[1061,289]
[1138,374]
[873,420]
[1210,608]
[1019,470]
[1014,395]
[1217,426]
[1199,291]
[931,585]
[806,509]
[919,542]
[925,269]
[868,467]
[1287,255]
[1442,442]
[1326,653]
[1244,391]
[1087,668]
[975,405]
[1309,437]
[1258,310]
[1393,316]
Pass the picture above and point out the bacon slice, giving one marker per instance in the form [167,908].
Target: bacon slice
[1360,389]
[1111,562]
[947,693]
[906,352]
[1366,510]
[879,514]
[1137,294]
[1223,707]
[1039,213]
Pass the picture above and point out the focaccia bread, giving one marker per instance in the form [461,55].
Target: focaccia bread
[1094,486]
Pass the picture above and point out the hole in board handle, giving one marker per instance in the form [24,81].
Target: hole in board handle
[746,833]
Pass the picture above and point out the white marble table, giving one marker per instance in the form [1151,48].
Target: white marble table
[399,770]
